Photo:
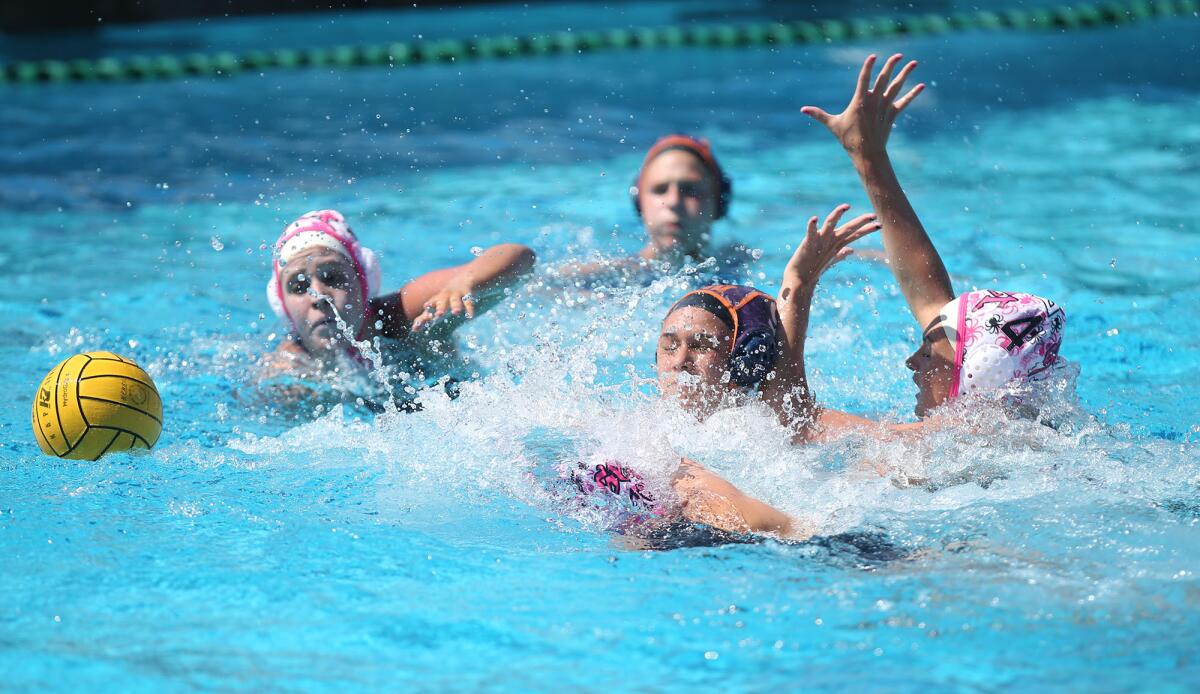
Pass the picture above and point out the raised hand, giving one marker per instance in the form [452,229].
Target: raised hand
[823,246]
[826,245]
[863,127]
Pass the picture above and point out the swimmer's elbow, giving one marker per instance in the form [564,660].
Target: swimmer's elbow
[525,258]
[764,518]
[520,258]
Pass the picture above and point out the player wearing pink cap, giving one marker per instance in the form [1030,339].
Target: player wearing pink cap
[975,344]
[326,286]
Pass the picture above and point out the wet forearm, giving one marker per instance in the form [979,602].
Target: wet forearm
[789,393]
[762,517]
[498,266]
[707,498]
[915,262]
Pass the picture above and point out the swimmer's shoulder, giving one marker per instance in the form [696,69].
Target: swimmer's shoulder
[387,317]
[285,357]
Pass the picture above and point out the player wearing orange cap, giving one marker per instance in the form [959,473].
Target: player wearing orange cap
[678,193]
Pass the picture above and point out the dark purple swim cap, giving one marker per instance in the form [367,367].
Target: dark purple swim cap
[754,320]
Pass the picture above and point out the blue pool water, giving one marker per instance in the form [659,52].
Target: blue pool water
[328,550]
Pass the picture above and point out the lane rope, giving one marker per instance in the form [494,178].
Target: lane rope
[721,36]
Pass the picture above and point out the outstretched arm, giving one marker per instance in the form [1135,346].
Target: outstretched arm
[863,129]
[458,291]
[707,498]
[787,389]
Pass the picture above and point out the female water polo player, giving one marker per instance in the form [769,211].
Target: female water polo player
[679,192]
[973,344]
[721,343]
[325,285]
[719,346]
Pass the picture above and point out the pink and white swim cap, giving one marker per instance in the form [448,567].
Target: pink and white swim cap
[1000,337]
[321,229]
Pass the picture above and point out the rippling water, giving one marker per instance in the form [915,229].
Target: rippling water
[255,548]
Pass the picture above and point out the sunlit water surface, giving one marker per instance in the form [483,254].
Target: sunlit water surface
[326,547]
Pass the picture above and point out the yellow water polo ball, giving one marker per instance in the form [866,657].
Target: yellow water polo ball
[96,403]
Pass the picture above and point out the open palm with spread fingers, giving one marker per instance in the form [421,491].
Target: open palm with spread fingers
[825,245]
[867,121]
[863,129]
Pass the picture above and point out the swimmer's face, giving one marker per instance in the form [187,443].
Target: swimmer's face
[316,281]
[933,370]
[693,360]
[678,197]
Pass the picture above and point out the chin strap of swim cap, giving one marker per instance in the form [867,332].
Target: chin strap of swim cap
[322,229]
[1002,337]
[755,326]
[699,147]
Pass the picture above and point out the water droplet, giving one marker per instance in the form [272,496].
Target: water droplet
[711,655]
[216,243]
[476,250]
